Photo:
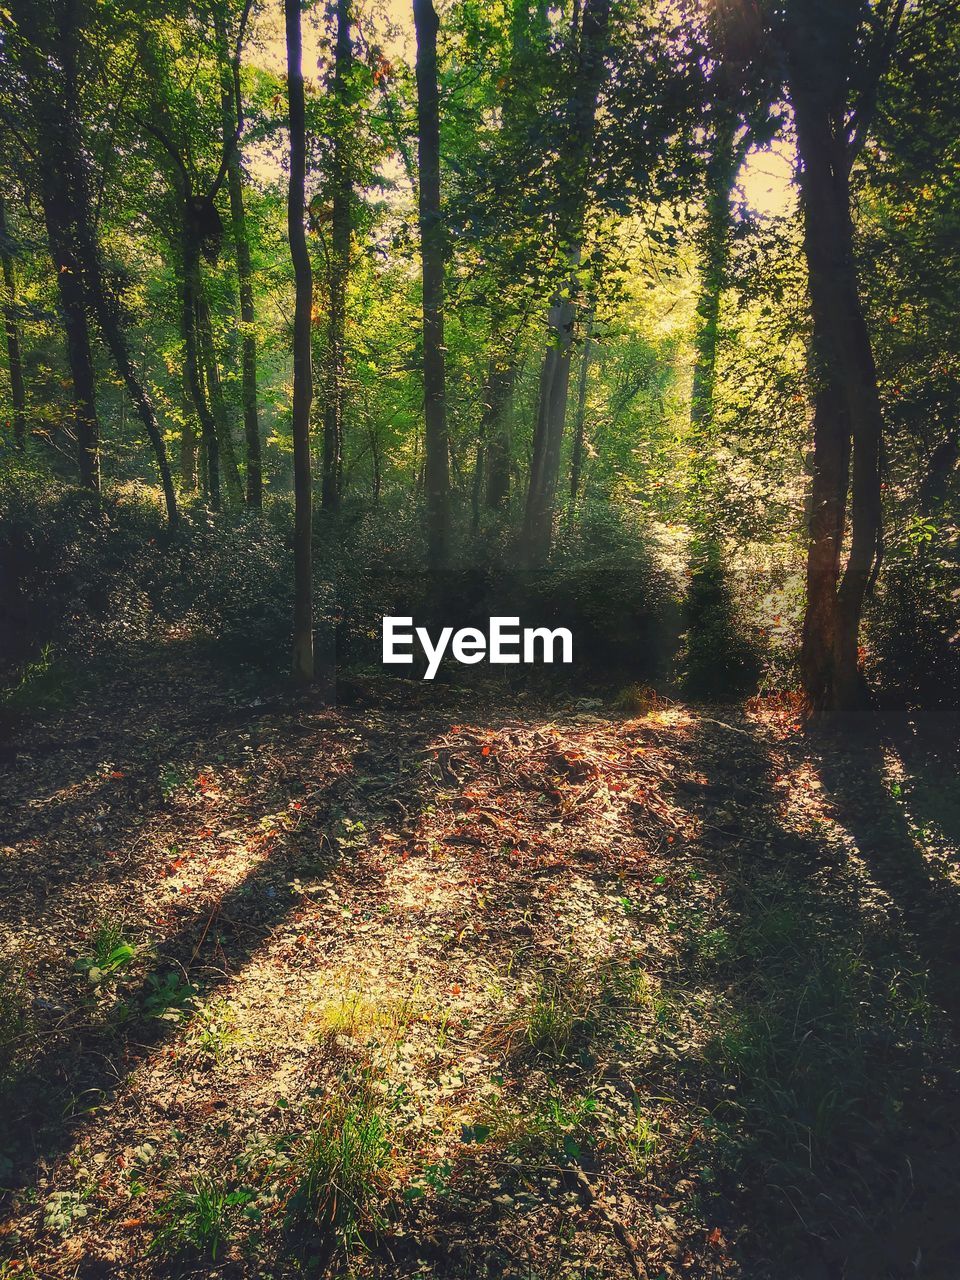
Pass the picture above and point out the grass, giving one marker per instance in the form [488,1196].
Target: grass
[342,1170]
[359,1016]
[108,953]
[212,1031]
[199,1221]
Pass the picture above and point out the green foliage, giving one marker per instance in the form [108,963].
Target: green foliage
[109,953]
[199,1221]
[168,997]
[342,1168]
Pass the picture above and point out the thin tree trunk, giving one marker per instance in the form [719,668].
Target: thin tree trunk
[232,110]
[95,288]
[188,440]
[594,21]
[548,433]
[436,440]
[18,392]
[342,181]
[501,379]
[714,256]
[302,372]
[218,405]
[493,443]
[580,417]
[188,320]
[56,209]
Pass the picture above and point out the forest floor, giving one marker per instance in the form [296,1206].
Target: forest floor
[437,985]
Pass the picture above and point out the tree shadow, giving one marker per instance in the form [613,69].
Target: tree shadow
[836,1111]
[88,1056]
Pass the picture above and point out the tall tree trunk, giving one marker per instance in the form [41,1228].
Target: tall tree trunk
[302,372]
[188,322]
[18,392]
[548,432]
[500,384]
[231,103]
[99,294]
[714,249]
[493,444]
[218,405]
[342,181]
[66,261]
[580,416]
[592,28]
[848,406]
[188,440]
[827,521]
[436,441]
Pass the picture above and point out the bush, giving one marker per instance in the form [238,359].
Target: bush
[722,654]
[914,622]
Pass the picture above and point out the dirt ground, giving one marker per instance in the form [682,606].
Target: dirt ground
[455,984]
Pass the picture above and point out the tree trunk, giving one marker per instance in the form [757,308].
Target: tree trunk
[501,379]
[579,421]
[493,442]
[592,29]
[188,321]
[828,503]
[18,393]
[342,181]
[436,442]
[232,111]
[188,440]
[81,220]
[848,414]
[56,210]
[548,433]
[302,372]
[218,405]
[714,255]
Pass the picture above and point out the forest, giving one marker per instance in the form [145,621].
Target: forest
[337,331]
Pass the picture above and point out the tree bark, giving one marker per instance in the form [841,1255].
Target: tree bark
[302,372]
[436,440]
[849,420]
[342,181]
[493,446]
[18,392]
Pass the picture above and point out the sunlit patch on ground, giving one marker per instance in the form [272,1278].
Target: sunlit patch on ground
[544,992]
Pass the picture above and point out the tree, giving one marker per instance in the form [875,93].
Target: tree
[436,445]
[302,372]
[833,88]
[591,47]
[51,40]
[231,102]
